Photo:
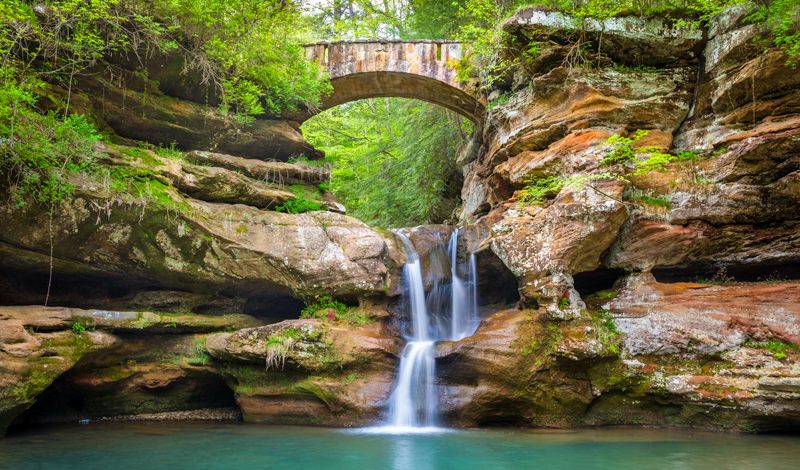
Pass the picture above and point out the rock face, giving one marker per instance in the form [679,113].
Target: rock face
[192,243]
[174,241]
[164,106]
[704,356]
[655,348]
[39,344]
[316,373]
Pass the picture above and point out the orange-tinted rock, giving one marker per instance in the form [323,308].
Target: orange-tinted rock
[703,319]
[645,243]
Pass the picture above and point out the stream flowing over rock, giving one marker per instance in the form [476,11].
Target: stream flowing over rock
[667,298]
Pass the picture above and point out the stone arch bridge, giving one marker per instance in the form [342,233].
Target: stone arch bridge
[402,69]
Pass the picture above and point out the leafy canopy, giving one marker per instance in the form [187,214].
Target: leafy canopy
[393,159]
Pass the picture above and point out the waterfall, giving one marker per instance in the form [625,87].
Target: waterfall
[413,402]
[459,296]
[474,319]
[413,405]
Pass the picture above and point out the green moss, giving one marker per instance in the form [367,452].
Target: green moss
[140,154]
[163,196]
[309,192]
[774,346]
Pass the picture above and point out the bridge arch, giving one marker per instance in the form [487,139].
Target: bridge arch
[415,69]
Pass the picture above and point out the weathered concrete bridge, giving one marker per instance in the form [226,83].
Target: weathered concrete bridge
[403,69]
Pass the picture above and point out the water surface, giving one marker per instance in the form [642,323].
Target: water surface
[173,446]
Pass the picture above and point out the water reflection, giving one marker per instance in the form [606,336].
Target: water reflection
[212,446]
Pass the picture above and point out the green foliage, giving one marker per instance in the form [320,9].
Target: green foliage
[499,101]
[249,50]
[782,17]
[169,152]
[492,48]
[608,322]
[322,306]
[776,347]
[40,152]
[660,201]
[624,152]
[299,205]
[605,294]
[538,190]
[77,328]
[563,303]
[607,331]
[689,155]
[393,160]
[646,198]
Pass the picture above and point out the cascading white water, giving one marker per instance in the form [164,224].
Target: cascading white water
[464,295]
[459,296]
[413,405]
[474,319]
[413,402]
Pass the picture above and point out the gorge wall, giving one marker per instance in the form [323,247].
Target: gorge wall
[669,298]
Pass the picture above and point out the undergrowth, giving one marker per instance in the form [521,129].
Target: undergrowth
[327,308]
[299,205]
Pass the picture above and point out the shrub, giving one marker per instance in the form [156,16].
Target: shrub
[322,306]
[299,205]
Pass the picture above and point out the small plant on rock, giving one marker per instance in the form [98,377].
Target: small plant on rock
[328,309]
[721,277]
[299,205]
[279,346]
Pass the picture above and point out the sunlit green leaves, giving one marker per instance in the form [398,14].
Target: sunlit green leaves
[393,159]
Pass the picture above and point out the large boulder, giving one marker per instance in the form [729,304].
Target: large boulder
[160,237]
[542,244]
[308,372]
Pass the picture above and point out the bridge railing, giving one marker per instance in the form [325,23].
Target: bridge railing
[424,57]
